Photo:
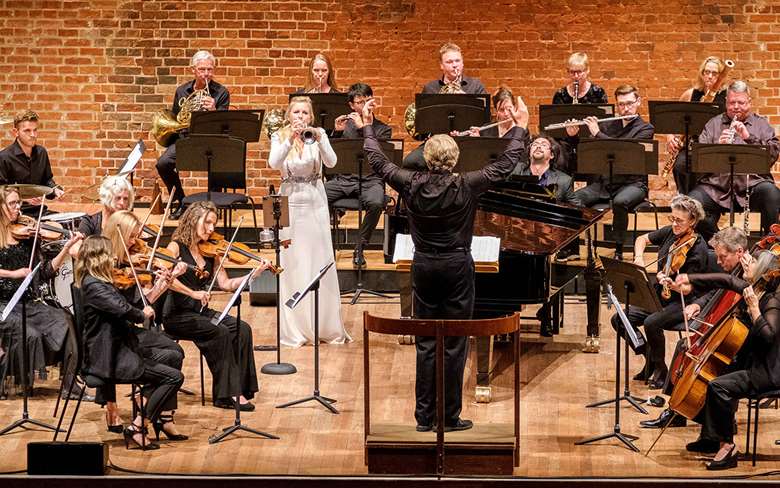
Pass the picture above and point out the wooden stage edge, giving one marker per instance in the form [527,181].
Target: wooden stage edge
[317,447]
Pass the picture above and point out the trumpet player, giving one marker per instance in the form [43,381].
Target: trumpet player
[212,96]
[24,161]
[370,189]
[738,125]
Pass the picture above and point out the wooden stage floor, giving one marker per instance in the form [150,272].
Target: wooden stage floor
[557,381]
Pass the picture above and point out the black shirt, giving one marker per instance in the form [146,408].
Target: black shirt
[470,86]
[218,92]
[442,205]
[696,261]
[15,257]
[382,132]
[189,279]
[595,94]
[91,225]
[719,98]
[16,167]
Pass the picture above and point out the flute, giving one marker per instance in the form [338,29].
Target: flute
[563,125]
[484,127]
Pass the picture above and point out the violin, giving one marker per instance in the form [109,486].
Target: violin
[675,260]
[123,277]
[24,228]
[216,245]
[163,258]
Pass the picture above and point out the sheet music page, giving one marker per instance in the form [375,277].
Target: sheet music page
[133,158]
[484,249]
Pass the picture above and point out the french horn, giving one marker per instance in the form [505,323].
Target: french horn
[165,125]
[411,111]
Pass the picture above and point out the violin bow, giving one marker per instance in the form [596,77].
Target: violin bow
[35,237]
[149,213]
[135,276]
[159,231]
[222,259]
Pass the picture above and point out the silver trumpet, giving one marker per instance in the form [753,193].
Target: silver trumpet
[563,125]
[308,135]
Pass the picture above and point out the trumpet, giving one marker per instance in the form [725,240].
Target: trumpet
[308,135]
[563,125]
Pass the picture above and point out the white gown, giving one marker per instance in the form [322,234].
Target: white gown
[311,247]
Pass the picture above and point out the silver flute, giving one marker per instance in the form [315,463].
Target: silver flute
[563,125]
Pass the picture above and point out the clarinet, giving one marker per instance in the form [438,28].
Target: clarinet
[746,213]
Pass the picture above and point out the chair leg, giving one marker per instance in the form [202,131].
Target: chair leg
[75,413]
[254,218]
[636,217]
[748,429]
[67,400]
[64,374]
[202,383]
[755,434]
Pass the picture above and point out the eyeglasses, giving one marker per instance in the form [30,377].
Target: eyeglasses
[17,203]
[627,104]
[677,220]
[708,72]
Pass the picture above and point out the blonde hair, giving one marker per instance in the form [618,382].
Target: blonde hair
[118,229]
[111,186]
[5,232]
[331,81]
[284,132]
[447,47]
[709,59]
[687,204]
[95,260]
[185,232]
[578,59]
[26,116]
[441,153]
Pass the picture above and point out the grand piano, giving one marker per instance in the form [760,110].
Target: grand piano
[532,228]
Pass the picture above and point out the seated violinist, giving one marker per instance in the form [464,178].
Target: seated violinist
[116,193]
[189,317]
[48,337]
[758,364]
[123,229]
[689,255]
[729,245]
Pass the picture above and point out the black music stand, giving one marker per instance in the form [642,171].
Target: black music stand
[444,113]
[724,158]
[478,152]
[559,113]
[352,161]
[211,153]
[276,209]
[314,286]
[629,280]
[19,297]
[243,124]
[237,425]
[686,118]
[327,107]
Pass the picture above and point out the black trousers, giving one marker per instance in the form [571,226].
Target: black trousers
[764,197]
[220,348]
[443,289]
[624,199]
[720,406]
[372,198]
[166,167]
[161,382]
[668,318]
[679,172]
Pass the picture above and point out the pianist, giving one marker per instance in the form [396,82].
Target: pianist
[441,207]
[541,153]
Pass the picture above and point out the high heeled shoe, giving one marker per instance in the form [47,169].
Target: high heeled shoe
[132,430]
[159,426]
[728,462]
[114,428]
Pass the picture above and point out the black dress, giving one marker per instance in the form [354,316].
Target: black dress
[184,320]
[47,326]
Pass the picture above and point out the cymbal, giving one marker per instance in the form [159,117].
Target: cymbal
[31,191]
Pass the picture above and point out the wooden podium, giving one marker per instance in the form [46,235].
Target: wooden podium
[486,449]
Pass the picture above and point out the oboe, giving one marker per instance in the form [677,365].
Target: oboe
[576,92]
[746,213]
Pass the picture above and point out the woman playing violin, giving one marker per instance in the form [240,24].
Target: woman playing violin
[122,229]
[116,193]
[47,326]
[758,363]
[190,319]
[680,249]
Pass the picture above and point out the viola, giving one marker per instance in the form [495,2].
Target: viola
[123,277]
[216,245]
[163,258]
[24,227]
[675,260]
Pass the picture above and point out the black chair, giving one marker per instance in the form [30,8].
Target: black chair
[643,205]
[339,207]
[754,406]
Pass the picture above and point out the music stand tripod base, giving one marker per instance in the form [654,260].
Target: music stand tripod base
[278,368]
[265,348]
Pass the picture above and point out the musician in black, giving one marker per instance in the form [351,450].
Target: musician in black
[739,125]
[624,191]
[542,152]
[452,81]
[510,112]
[441,206]
[710,71]
[758,368]
[26,162]
[212,96]
[372,188]
[728,247]
[686,213]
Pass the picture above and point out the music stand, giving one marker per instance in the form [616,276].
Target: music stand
[211,153]
[352,161]
[686,118]
[559,113]
[327,106]
[19,297]
[443,113]
[723,158]
[235,299]
[314,285]
[626,281]
[478,152]
[276,209]
[244,124]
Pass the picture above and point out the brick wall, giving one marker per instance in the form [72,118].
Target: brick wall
[97,70]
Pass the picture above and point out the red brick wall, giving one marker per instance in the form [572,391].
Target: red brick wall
[97,70]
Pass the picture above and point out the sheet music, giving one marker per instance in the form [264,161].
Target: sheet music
[18,294]
[484,249]
[232,299]
[132,159]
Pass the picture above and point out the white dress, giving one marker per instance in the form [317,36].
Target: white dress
[311,247]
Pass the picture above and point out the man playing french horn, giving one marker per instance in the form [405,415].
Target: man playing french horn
[202,93]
